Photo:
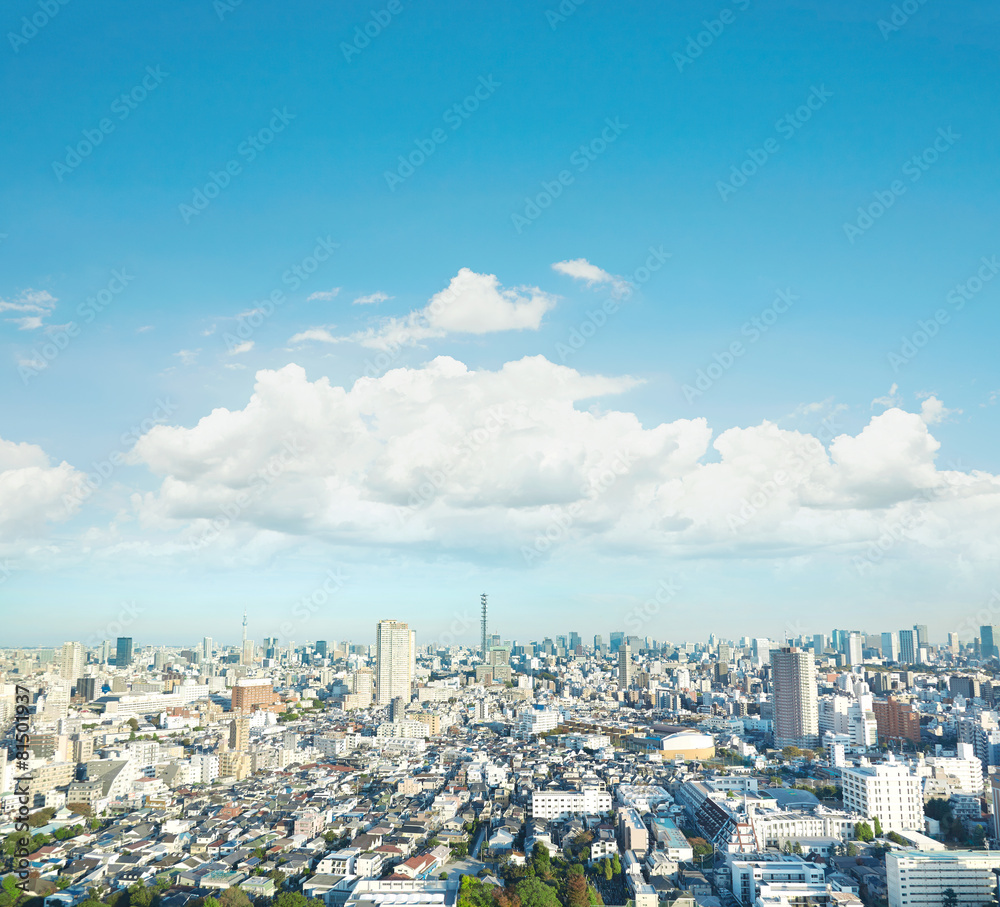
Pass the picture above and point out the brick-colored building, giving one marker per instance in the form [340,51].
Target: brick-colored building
[253,694]
[896,720]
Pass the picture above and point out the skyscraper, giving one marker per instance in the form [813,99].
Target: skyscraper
[796,714]
[70,660]
[890,646]
[920,632]
[482,602]
[853,649]
[907,651]
[395,653]
[206,648]
[321,648]
[819,644]
[123,655]
[989,635]
[624,667]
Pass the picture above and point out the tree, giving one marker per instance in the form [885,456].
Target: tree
[576,891]
[535,893]
[877,828]
[616,865]
[278,877]
[852,849]
[210,902]
[443,877]
[139,895]
[541,860]
[234,897]
[797,848]
[949,898]
[863,832]
[791,752]
[291,899]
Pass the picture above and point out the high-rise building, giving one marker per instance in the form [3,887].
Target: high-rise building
[321,648]
[890,646]
[819,644]
[86,688]
[624,667]
[249,694]
[796,714]
[616,640]
[123,653]
[598,642]
[762,650]
[989,636]
[889,791]
[907,650]
[239,733]
[853,649]
[394,660]
[70,661]
[920,632]
[206,648]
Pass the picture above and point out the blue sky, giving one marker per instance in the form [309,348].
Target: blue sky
[826,109]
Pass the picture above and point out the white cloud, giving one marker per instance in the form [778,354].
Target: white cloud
[33,492]
[323,295]
[581,269]
[144,328]
[933,411]
[890,399]
[188,357]
[371,299]
[471,304]
[321,334]
[34,305]
[493,463]
[243,347]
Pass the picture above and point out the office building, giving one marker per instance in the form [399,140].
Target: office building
[123,652]
[206,648]
[796,714]
[989,636]
[889,791]
[853,648]
[624,667]
[253,694]
[394,660]
[907,650]
[70,662]
[920,635]
[890,646]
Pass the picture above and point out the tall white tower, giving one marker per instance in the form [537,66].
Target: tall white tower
[395,656]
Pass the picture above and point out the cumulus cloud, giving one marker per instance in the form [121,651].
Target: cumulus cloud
[32,306]
[243,347]
[371,299]
[932,410]
[471,304]
[890,399]
[581,269]
[33,492]
[526,460]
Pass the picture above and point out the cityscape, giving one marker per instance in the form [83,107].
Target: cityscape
[847,768]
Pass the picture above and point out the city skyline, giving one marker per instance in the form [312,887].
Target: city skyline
[648,301]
